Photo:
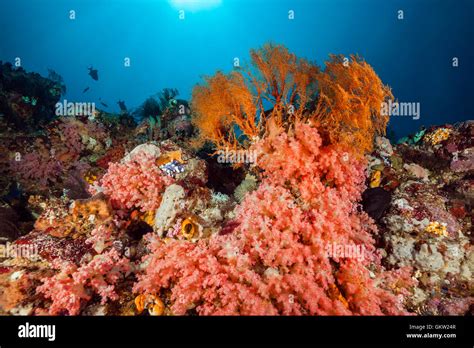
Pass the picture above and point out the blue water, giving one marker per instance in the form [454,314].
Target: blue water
[413,55]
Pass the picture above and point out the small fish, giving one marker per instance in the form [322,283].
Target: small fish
[85,89]
[94,73]
[122,105]
[104,105]
[417,137]
[172,168]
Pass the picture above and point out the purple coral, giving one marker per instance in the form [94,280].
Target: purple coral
[35,167]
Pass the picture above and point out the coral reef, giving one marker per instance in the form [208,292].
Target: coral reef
[69,149]
[27,100]
[138,213]
[163,116]
[428,225]
[277,261]
[135,183]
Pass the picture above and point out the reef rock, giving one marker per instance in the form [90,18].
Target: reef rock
[148,149]
[417,171]
[383,146]
[172,203]
[428,224]
[27,100]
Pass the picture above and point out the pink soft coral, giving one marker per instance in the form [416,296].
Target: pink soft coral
[73,285]
[70,131]
[37,167]
[75,135]
[280,259]
[136,183]
[101,237]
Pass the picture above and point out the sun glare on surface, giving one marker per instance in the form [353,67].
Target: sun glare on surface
[195,5]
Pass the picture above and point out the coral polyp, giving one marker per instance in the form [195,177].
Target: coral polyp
[152,303]
[188,228]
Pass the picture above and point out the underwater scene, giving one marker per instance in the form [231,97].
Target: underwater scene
[236,157]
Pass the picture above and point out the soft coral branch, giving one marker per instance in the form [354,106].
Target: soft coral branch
[277,260]
[73,286]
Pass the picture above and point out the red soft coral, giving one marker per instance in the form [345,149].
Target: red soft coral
[135,183]
[73,285]
[282,258]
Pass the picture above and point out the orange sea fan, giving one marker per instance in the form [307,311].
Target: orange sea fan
[284,81]
[345,99]
[224,101]
[349,102]
[277,80]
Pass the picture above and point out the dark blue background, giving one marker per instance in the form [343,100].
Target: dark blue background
[413,55]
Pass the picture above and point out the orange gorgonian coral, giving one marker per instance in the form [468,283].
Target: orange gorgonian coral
[345,98]
[350,100]
[223,102]
[235,104]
